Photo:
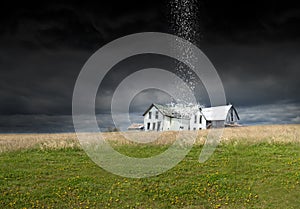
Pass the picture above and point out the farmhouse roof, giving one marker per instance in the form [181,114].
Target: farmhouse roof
[177,111]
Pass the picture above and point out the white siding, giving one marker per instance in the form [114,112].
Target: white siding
[216,116]
[153,120]
[174,124]
[231,117]
[178,124]
[197,125]
[166,123]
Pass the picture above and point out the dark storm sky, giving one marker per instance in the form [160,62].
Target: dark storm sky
[254,45]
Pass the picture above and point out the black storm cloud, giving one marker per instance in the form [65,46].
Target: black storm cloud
[254,45]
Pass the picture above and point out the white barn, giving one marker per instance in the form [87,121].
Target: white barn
[178,117]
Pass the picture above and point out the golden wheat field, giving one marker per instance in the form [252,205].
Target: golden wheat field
[250,134]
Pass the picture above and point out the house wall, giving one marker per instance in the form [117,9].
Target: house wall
[179,124]
[153,120]
[175,124]
[218,123]
[196,125]
[166,123]
[231,117]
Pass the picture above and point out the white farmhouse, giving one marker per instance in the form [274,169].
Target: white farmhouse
[178,117]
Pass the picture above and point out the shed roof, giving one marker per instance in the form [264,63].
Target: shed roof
[136,126]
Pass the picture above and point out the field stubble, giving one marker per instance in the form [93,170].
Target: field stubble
[244,135]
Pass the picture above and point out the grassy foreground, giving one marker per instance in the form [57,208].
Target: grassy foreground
[242,173]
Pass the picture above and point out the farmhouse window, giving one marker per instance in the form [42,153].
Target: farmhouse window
[200,119]
[148,126]
[150,113]
[153,126]
[195,120]
[156,115]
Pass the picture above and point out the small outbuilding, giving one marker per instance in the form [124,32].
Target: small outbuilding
[136,127]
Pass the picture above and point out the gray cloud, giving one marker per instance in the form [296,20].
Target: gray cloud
[40,82]
[280,113]
[61,25]
[258,74]
[254,47]
[60,123]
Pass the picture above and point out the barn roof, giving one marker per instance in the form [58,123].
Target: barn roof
[218,112]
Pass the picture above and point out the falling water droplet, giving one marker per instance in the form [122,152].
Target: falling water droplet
[184,24]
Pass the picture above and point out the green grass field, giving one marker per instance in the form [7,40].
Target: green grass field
[238,175]
[253,167]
